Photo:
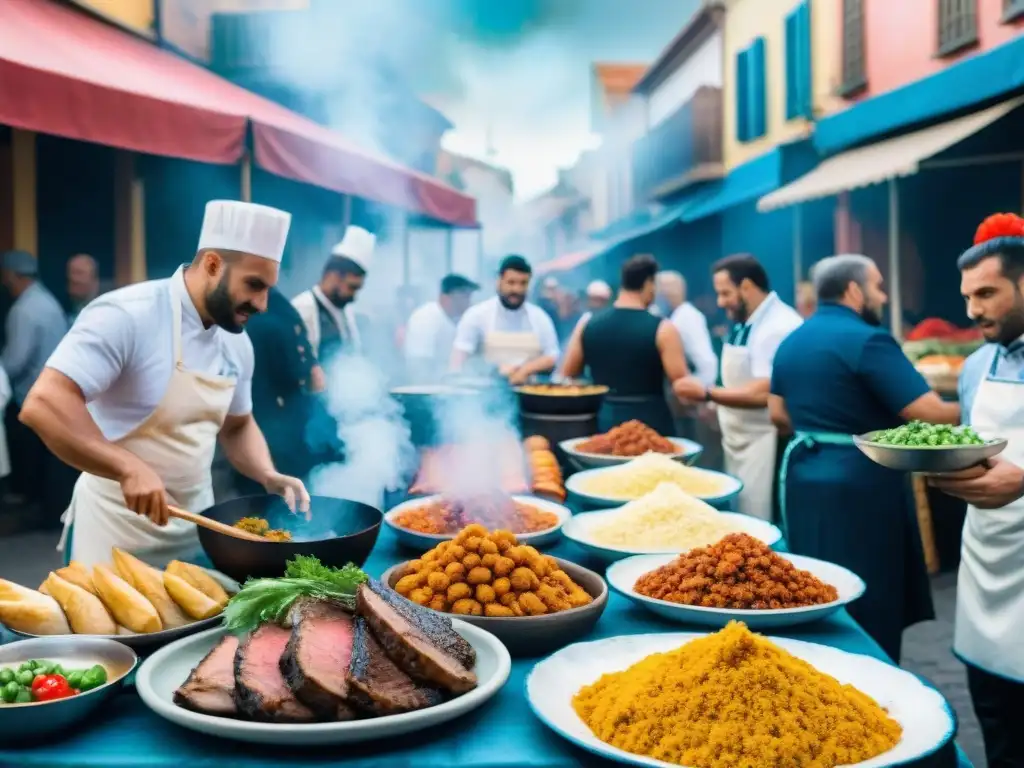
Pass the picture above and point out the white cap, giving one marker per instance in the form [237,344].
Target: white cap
[245,227]
[599,289]
[357,245]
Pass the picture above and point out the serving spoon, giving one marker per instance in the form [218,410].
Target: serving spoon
[213,525]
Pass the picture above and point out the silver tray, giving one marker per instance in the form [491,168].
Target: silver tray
[933,459]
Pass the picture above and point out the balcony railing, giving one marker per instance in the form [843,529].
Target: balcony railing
[686,147]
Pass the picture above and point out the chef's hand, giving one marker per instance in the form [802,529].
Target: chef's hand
[517,378]
[987,486]
[144,492]
[291,490]
[506,370]
[689,389]
[317,380]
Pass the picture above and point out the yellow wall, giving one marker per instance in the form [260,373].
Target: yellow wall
[746,20]
[135,14]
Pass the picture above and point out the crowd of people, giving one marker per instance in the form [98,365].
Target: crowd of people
[151,377]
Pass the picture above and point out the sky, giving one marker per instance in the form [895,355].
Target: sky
[517,71]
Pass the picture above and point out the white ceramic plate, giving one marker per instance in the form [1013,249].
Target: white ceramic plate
[731,486]
[928,723]
[623,575]
[425,541]
[163,672]
[151,640]
[577,530]
[689,452]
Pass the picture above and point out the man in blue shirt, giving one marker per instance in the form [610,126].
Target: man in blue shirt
[990,585]
[841,374]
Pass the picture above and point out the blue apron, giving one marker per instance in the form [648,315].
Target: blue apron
[838,505]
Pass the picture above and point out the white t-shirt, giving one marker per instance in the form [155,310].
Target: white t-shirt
[429,334]
[769,324]
[491,315]
[120,352]
[693,330]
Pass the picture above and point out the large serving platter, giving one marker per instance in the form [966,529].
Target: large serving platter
[688,453]
[730,487]
[931,459]
[425,541]
[622,577]
[927,720]
[577,530]
[163,672]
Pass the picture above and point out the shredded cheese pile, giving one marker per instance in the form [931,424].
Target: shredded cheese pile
[645,473]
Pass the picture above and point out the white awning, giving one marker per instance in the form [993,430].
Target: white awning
[892,158]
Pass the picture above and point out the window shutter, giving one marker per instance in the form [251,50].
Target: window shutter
[804,66]
[758,100]
[743,85]
[792,66]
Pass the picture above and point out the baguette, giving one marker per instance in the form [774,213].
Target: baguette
[85,612]
[29,611]
[199,579]
[150,584]
[78,575]
[129,607]
[196,604]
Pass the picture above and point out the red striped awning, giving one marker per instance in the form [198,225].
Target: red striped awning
[568,261]
[65,73]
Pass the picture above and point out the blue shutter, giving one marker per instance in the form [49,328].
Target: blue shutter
[799,76]
[758,101]
[742,96]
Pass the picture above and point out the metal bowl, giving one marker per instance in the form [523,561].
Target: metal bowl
[939,458]
[687,453]
[560,405]
[50,718]
[535,635]
[339,531]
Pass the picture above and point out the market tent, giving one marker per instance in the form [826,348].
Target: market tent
[65,73]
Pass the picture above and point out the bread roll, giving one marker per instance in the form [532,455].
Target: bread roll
[129,607]
[26,610]
[85,612]
[78,575]
[192,601]
[150,584]
[200,579]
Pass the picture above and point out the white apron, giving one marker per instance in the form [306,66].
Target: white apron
[510,348]
[177,440]
[749,439]
[990,587]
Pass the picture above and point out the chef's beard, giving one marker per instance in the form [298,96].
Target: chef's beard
[512,300]
[872,315]
[338,300]
[740,314]
[222,309]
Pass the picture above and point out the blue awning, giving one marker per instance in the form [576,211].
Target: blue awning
[634,220]
[745,182]
[967,85]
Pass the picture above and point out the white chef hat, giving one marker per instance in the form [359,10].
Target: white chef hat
[357,245]
[245,227]
[599,289]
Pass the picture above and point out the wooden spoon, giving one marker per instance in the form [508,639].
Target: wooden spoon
[213,525]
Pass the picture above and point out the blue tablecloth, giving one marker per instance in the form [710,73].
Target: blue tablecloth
[501,734]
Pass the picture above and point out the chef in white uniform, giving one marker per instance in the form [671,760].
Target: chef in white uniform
[138,393]
[990,586]
[327,308]
[508,332]
[762,320]
[430,332]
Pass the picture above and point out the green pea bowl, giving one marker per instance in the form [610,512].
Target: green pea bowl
[930,459]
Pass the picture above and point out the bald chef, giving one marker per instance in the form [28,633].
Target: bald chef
[511,334]
[149,378]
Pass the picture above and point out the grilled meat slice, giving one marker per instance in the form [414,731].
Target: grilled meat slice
[376,686]
[210,689]
[316,659]
[261,692]
[420,641]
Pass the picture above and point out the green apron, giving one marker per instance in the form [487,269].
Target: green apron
[839,506]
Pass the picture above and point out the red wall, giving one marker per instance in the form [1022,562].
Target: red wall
[901,40]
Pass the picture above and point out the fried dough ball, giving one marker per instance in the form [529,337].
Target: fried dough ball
[532,604]
[455,572]
[502,586]
[467,607]
[524,580]
[479,575]
[495,610]
[458,592]
[485,594]
[438,581]
[471,561]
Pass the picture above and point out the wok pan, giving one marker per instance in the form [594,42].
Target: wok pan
[560,405]
[339,531]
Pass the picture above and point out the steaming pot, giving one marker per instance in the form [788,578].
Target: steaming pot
[424,406]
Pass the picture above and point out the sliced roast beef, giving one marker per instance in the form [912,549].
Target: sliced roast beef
[316,660]
[420,641]
[261,692]
[376,686]
[210,688]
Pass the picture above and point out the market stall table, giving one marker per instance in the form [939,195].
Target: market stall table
[501,734]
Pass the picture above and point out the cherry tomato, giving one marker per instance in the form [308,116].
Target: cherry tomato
[51,688]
